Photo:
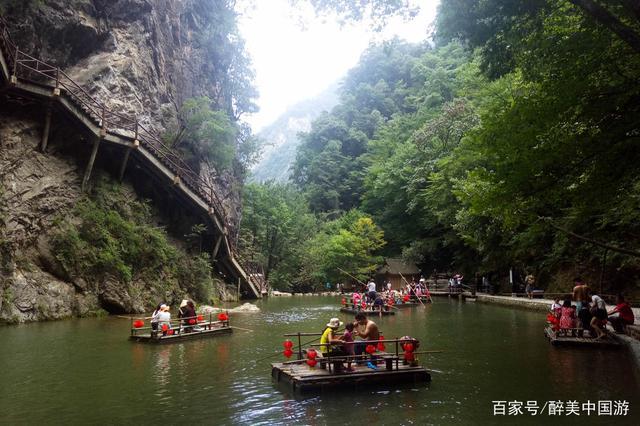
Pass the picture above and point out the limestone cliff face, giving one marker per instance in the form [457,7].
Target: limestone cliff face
[35,188]
[141,57]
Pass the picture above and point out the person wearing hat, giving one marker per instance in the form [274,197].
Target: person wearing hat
[187,312]
[154,318]
[164,318]
[329,337]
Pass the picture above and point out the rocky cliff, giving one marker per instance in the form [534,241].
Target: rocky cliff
[142,57]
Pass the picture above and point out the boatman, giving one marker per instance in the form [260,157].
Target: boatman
[371,291]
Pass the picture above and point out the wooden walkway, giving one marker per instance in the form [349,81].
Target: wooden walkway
[24,76]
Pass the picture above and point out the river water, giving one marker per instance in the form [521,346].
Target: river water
[85,371]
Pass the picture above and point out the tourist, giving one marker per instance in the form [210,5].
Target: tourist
[356,298]
[187,312]
[164,319]
[378,304]
[599,311]
[625,315]
[529,282]
[348,345]
[556,307]
[365,329]
[567,316]
[580,292]
[154,318]
[329,338]
[585,316]
[389,286]
[599,322]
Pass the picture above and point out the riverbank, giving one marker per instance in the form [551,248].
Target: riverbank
[543,305]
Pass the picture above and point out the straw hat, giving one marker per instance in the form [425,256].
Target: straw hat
[334,323]
[183,303]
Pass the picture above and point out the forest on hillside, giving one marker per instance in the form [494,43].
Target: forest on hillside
[510,140]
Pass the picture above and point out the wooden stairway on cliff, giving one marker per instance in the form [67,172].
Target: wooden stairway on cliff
[26,76]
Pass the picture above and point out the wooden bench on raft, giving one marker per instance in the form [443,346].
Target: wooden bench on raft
[335,363]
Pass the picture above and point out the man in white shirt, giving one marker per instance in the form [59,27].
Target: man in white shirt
[371,291]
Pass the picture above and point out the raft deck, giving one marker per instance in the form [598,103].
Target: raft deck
[179,333]
[367,312]
[304,379]
[561,339]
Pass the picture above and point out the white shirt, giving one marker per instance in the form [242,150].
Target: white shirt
[371,286]
[597,300]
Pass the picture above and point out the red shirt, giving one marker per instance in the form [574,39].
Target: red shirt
[625,312]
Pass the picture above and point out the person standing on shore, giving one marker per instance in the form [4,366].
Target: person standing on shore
[529,281]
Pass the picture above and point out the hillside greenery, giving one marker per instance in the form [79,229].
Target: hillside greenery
[510,143]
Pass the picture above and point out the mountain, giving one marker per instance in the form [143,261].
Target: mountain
[281,136]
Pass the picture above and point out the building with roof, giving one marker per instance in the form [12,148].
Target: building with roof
[393,270]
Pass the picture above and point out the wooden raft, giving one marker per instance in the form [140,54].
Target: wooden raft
[301,378]
[199,330]
[558,339]
[367,312]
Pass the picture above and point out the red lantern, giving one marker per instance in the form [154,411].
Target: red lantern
[406,298]
[138,323]
[288,344]
[287,353]
[370,349]
[223,317]
[312,354]
[165,327]
[344,301]
[192,321]
[200,318]
[312,362]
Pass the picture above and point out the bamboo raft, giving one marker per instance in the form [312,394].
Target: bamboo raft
[368,312]
[560,338]
[303,379]
[378,368]
[180,332]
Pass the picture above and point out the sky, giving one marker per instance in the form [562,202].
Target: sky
[294,61]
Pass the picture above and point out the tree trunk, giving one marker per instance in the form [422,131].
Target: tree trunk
[609,20]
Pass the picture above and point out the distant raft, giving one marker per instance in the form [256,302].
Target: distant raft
[368,312]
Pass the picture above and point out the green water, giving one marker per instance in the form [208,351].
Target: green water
[87,372]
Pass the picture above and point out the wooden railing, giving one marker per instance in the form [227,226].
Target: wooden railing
[25,67]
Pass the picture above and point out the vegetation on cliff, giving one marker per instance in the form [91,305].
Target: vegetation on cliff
[109,238]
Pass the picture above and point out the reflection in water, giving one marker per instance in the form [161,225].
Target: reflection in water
[87,371]
[162,369]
